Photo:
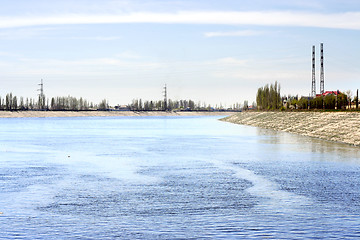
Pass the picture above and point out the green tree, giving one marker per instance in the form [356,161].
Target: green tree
[342,101]
[268,97]
[303,103]
[329,101]
[316,103]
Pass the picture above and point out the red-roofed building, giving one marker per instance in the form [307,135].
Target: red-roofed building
[329,92]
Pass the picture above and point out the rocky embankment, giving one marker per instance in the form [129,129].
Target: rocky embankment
[332,126]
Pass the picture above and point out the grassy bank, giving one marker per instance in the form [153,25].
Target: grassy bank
[332,126]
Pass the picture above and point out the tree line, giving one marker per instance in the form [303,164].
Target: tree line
[69,103]
[330,101]
[268,98]
[170,105]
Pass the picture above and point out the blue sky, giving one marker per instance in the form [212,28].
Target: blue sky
[209,51]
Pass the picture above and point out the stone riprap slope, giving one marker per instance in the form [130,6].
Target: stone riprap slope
[333,126]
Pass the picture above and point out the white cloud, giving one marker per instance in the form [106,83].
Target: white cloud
[98,38]
[347,20]
[91,62]
[24,33]
[244,33]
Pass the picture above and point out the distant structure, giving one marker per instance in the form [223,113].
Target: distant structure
[41,88]
[313,86]
[313,78]
[41,95]
[321,68]
[165,98]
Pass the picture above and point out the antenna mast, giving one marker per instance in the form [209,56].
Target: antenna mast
[321,68]
[313,86]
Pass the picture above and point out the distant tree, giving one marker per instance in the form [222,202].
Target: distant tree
[140,105]
[27,104]
[103,105]
[8,103]
[147,106]
[22,105]
[81,104]
[52,104]
[41,102]
[329,101]
[342,101]
[316,103]
[31,104]
[349,95]
[14,103]
[303,103]
[170,105]
[191,105]
[86,105]
[246,105]
[268,97]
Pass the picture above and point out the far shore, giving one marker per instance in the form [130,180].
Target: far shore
[45,114]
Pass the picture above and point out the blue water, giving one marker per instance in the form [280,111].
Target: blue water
[172,178]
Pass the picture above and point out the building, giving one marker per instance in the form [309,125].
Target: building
[329,92]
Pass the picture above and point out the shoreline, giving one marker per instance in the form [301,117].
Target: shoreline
[48,114]
[343,127]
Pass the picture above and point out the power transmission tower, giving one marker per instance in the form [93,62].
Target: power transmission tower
[41,95]
[321,68]
[313,86]
[165,98]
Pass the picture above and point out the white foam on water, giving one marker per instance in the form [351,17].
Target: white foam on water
[274,197]
[124,168]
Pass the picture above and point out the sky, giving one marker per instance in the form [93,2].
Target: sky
[210,51]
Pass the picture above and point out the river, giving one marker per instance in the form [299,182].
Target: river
[172,178]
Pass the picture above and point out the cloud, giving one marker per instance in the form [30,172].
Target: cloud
[91,62]
[24,33]
[347,20]
[98,38]
[244,33]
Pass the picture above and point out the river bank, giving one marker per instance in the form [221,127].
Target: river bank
[41,114]
[332,126]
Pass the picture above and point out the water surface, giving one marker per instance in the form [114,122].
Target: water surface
[172,178]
